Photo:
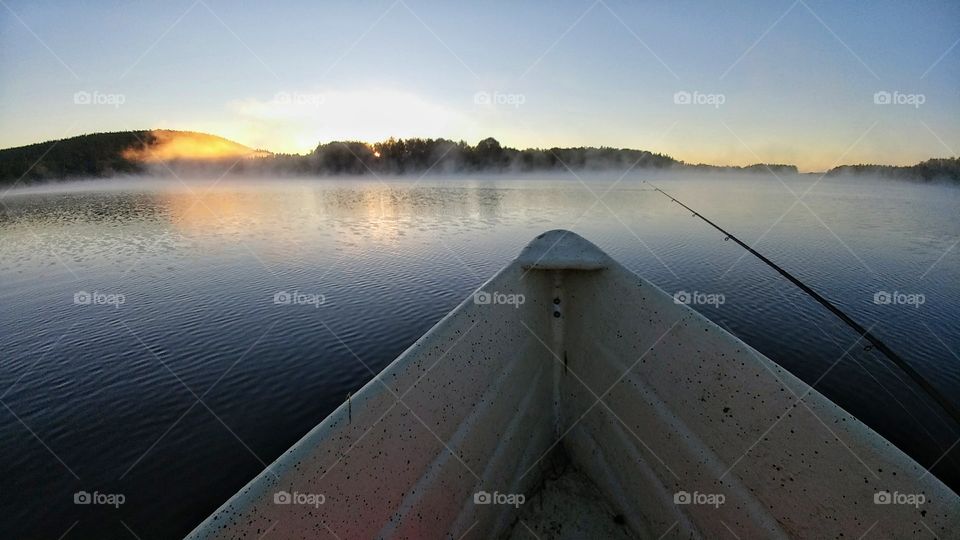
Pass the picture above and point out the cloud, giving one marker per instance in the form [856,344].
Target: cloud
[297,120]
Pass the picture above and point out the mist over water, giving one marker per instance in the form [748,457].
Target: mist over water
[124,301]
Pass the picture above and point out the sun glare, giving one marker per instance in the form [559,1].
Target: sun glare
[171,145]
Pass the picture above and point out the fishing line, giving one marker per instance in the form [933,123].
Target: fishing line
[875,342]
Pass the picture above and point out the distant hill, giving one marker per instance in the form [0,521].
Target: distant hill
[932,169]
[110,154]
[100,154]
[164,145]
[139,152]
[776,168]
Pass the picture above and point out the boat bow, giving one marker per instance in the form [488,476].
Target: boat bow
[685,430]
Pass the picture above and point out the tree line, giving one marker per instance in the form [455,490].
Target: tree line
[415,155]
[102,155]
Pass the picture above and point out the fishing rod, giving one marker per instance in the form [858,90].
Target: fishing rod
[904,366]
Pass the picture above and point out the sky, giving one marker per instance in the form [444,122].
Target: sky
[809,82]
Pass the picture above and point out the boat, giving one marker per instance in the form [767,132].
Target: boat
[570,398]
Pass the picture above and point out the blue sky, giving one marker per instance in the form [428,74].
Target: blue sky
[776,81]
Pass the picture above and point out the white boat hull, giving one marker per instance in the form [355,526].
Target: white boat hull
[657,405]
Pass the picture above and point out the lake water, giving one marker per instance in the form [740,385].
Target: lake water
[142,351]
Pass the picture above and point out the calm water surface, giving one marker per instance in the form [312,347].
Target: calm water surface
[142,352]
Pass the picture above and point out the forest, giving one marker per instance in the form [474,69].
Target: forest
[102,155]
